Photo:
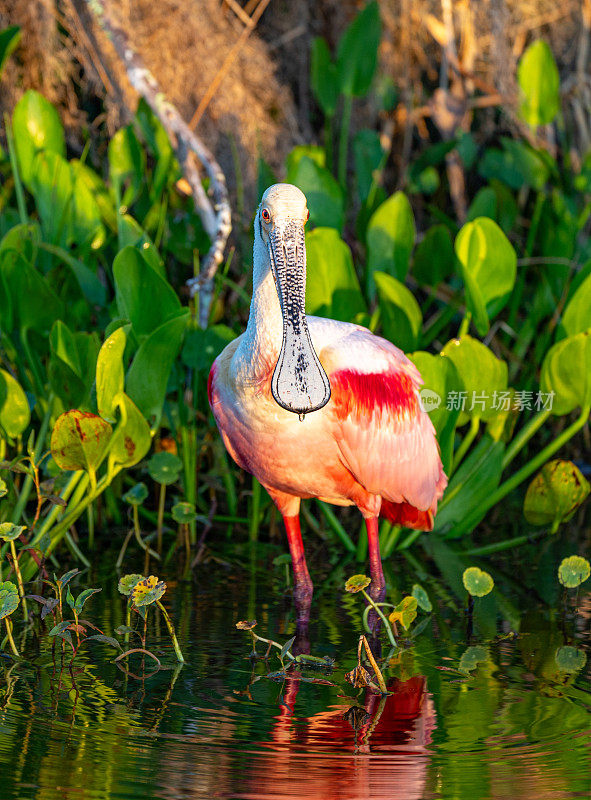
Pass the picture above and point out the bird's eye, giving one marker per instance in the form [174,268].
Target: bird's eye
[265,215]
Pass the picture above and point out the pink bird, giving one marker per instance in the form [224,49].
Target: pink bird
[314,407]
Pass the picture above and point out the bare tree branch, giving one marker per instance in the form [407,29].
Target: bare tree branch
[215,213]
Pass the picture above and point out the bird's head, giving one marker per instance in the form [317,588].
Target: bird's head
[299,382]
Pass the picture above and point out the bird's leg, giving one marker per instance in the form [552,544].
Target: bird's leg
[303,588]
[377,589]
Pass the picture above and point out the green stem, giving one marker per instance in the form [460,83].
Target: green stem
[28,483]
[160,521]
[171,631]
[465,326]
[466,442]
[367,611]
[10,639]
[138,535]
[19,580]
[328,135]
[90,519]
[524,435]
[380,614]
[336,526]
[74,549]
[344,139]
[506,544]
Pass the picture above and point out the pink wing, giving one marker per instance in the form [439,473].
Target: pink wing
[386,440]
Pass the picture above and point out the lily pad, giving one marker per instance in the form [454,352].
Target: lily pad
[472,657]
[164,467]
[10,532]
[573,571]
[422,598]
[356,583]
[570,659]
[136,495]
[477,582]
[128,583]
[555,494]
[147,591]
[183,513]
[9,598]
[405,612]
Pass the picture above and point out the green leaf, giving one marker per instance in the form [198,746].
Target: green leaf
[286,648]
[126,164]
[489,267]
[36,126]
[477,582]
[147,591]
[3,488]
[110,374]
[79,440]
[183,513]
[539,82]
[391,236]
[368,155]
[83,597]
[70,598]
[136,495]
[434,258]
[577,314]
[9,598]
[34,304]
[9,39]
[515,165]
[100,637]
[326,203]
[332,287]
[555,494]
[52,187]
[131,439]
[357,55]
[422,598]
[405,612]
[10,532]
[202,347]
[483,375]
[566,371]
[67,577]
[14,406]
[472,657]
[356,583]
[143,296]
[323,77]
[72,364]
[400,314]
[128,582]
[570,659]
[312,151]
[60,628]
[148,375]
[573,571]
[164,467]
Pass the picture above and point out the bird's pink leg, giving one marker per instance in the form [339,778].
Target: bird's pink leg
[378,582]
[303,588]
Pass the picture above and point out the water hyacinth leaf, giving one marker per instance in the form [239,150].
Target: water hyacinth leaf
[183,513]
[471,657]
[422,598]
[400,314]
[10,532]
[356,583]
[164,467]
[357,55]
[131,439]
[126,164]
[391,236]
[202,347]
[14,406]
[36,126]
[143,296]
[9,598]
[405,612]
[326,202]
[147,591]
[555,494]
[79,440]
[434,257]
[577,314]
[83,597]
[324,77]
[477,582]
[566,373]
[539,82]
[9,39]
[573,571]
[110,374]
[570,659]
[128,583]
[148,375]
[489,267]
[332,287]
[136,495]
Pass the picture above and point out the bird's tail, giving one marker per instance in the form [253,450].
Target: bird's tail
[408,516]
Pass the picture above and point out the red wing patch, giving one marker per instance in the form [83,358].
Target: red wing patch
[365,393]
[407,515]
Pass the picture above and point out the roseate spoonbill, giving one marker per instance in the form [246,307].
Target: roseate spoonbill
[314,407]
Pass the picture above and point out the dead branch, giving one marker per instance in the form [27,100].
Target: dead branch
[215,213]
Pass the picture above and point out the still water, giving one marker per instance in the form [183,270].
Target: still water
[508,718]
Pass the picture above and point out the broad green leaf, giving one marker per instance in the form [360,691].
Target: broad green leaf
[83,597]
[472,657]
[323,77]
[100,637]
[164,467]
[202,347]
[85,219]
[79,440]
[495,202]
[312,151]
[516,164]
[10,532]
[368,155]
[150,369]
[183,513]
[128,582]
[67,577]
[577,315]
[101,194]
[391,236]
[52,186]
[24,239]
[126,164]
[9,39]
[326,203]
[555,494]
[483,375]
[356,583]
[400,315]
[14,406]
[332,287]
[539,82]
[136,495]
[89,283]
[422,598]
[131,234]
[143,296]
[477,582]
[434,258]
[489,267]
[110,374]
[570,659]
[131,439]
[147,591]
[405,612]
[573,571]
[72,364]
[9,598]
[33,302]
[36,126]
[566,372]
[357,55]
